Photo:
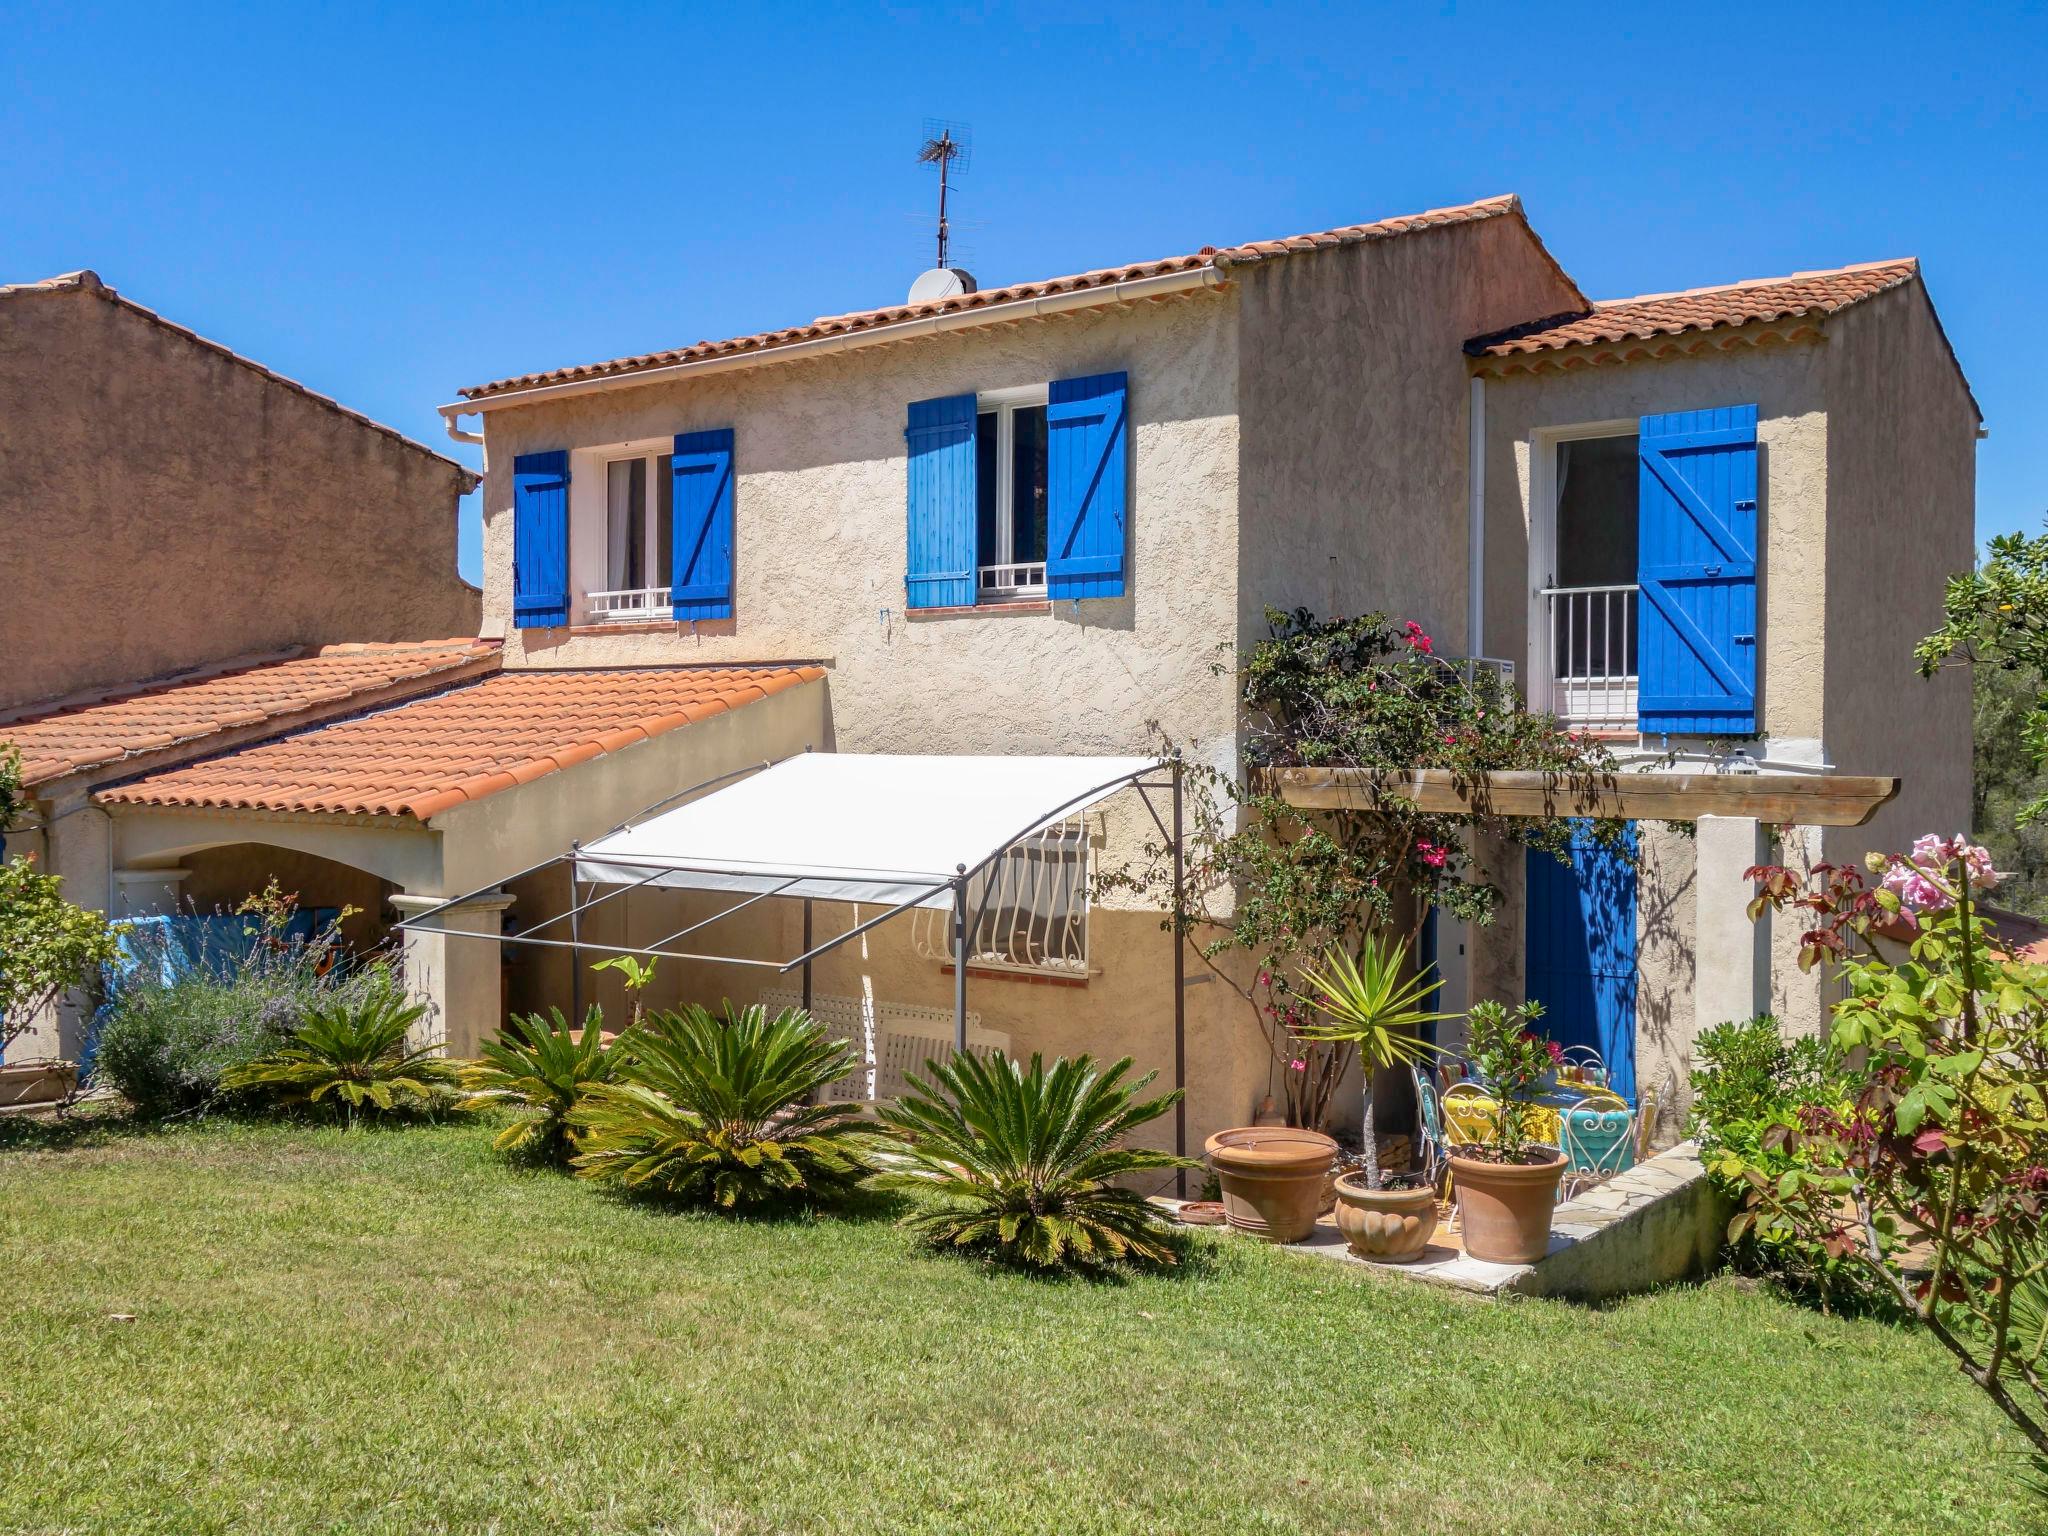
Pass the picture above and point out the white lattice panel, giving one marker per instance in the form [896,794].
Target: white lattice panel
[891,1039]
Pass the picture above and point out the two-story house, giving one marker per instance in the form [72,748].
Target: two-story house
[1032,519]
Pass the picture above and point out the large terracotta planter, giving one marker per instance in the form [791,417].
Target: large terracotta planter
[1504,1208]
[1272,1178]
[1387,1226]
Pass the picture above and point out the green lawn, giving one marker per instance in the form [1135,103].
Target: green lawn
[393,1332]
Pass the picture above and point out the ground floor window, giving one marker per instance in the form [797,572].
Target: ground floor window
[1028,911]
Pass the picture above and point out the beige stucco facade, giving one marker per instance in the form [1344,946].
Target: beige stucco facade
[1300,434]
[165,504]
[1866,489]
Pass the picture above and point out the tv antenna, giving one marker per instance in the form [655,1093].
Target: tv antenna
[949,146]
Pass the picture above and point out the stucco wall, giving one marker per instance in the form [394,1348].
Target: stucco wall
[819,535]
[1788,386]
[1901,518]
[1354,400]
[162,506]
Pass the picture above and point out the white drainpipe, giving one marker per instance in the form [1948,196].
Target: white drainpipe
[1475,527]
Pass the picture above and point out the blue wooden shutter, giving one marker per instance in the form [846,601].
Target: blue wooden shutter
[940,571]
[1696,558]
[1087,483]
[700,562]
[540,540]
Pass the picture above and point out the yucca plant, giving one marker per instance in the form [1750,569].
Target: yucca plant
[541,1063]
[1018,1163]
[1375,1005]
[717,1111]
[352,1051]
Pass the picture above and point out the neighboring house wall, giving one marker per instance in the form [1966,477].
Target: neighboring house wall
[1353,398]
[164,504]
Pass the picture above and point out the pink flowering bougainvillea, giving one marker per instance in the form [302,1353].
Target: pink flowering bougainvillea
[1274,884]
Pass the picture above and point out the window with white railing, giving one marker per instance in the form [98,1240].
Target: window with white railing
[1584,628]
[1010,452]
[1028,912]
[626,551]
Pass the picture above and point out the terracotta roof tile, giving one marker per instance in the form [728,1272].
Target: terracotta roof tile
[869,319]
[1700,309]
[424,755]
[191,708]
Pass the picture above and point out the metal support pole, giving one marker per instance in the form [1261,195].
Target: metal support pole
[1180,995]
[807,950]
[960,960]
[575,939]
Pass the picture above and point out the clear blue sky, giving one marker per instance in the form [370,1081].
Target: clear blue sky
[391,202]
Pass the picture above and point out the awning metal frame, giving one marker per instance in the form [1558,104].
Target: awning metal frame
[432,920]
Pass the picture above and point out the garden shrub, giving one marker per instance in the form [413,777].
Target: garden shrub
[541,1062]
[719,1111]
[192,1005]
[1750,1085]
[1019,1164]
[353,1052]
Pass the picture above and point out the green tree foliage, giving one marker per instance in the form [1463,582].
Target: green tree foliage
[352,1053]
[717,1111]
[2007,782]
[47,946]
[1996,618]
[1019,1163]
[541,1063]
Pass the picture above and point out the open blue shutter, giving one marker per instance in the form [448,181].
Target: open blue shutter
[1087,482]
[700,565]
[1696,558]
[941,566]
[540,540]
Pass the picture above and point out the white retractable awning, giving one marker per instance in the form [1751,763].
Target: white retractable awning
[855,826]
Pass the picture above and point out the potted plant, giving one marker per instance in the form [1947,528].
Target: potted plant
[1506,1184]
[1272,1178]
[1374,1006]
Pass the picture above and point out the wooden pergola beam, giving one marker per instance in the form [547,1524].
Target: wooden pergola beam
[1781,799]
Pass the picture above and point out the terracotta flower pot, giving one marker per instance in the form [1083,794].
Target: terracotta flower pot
[1504,1208]
[1272,1178]
[1387,1226]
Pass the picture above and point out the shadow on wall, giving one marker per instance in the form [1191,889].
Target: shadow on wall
[1664,1026]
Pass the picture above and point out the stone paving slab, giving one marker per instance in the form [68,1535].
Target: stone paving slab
[1658,1222]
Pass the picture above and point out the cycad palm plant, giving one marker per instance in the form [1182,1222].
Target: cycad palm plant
[1374,1004]
[353,1051]
[1018,1163]
[541,1063]
[717,1111]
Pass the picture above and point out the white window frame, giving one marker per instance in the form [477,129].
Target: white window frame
[999,581]
[590,534]
[1542,572]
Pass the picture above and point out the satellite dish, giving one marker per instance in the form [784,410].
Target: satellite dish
[941,283]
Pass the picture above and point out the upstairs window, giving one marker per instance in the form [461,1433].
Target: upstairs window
[639,520]
[1592,595]
[1010,483]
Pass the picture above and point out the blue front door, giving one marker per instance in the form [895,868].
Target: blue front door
[1581,960]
